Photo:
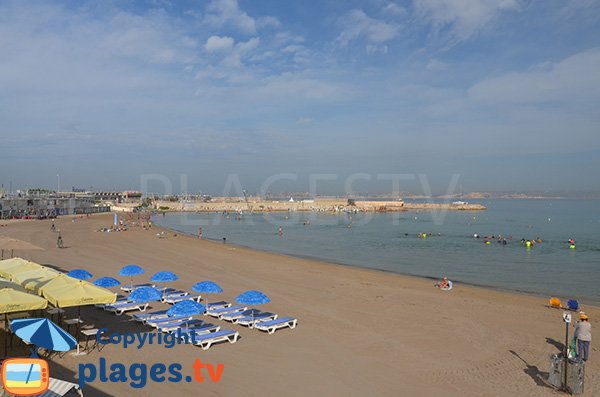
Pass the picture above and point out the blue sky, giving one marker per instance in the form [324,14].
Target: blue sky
[505,93]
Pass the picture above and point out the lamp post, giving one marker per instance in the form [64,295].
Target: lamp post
[57,184]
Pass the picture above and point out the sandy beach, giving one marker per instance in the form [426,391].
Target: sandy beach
[360,332]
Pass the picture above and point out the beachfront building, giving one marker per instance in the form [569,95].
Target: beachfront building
[44,203]
[47,207]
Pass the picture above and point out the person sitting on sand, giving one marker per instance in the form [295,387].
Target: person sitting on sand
[443,284]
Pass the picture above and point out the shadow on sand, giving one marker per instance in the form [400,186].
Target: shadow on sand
[539,377]
[559,345]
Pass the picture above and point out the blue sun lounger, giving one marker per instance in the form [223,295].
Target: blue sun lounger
[173,293]
[230,316]
[157,322]
[249,321]
[143,317]
[129,288]
[174,299]
[274,325]
[217,305]
[205,341]
[174,325]
[218,312]
[120,299]
[196,330]
[121,307]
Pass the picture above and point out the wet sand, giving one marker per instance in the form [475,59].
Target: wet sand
[360,333]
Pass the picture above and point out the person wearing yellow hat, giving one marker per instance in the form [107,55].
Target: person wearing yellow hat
[583,333]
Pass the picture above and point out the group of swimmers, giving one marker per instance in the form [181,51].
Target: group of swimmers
[525,243]
[499,239]
[530,243]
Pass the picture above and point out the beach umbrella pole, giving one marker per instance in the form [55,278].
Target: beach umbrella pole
[5,334]
[77,328]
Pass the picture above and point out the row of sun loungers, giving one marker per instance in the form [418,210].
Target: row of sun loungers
[205,334]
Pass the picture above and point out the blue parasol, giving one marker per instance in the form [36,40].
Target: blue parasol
[207,287]
[186,308]
[107,282]
[145,294]
[164,277]
[43,333]
[253,298]
[130,271]
[80,274]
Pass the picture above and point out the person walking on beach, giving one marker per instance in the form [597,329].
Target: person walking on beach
[583,333]
[59,241]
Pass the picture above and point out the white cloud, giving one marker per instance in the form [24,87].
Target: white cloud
[241,50]
[576,78]
[464,18]
[287,86]
[393,9]
[356,25]
[216,44]
[304,121]
[435,65]
[268,22]
[150,38]
[222,13]
[231,68]
[376,49]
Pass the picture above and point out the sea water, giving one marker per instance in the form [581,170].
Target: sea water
[390,242]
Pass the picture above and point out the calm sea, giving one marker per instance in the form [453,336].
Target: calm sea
[388,241]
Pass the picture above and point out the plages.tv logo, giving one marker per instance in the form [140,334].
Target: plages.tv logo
[25,376]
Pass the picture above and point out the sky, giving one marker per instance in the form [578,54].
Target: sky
[216,96]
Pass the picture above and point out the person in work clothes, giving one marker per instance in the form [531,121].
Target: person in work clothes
[583,333]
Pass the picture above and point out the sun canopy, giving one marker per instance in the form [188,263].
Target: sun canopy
[61,280]
[9,284]
[10,267]
[13,300]
[33,280]
[77,294]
